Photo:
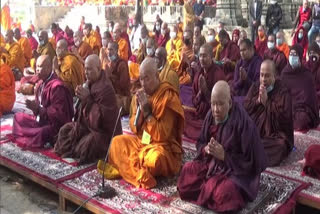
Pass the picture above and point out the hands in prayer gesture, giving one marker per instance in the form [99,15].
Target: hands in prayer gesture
[263,96]
[215,149]
[82,92]
[33,106]
[203,84]
[243,74]
[143,101]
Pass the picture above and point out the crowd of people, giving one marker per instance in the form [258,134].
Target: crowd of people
[241,99]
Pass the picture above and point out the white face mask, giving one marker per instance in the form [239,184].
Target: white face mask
[300,35]
[150,51]
[163,32]
[294,61]
[173,35]
[210,38]
[270,45]
[158,27]
[41,42]
[77,43]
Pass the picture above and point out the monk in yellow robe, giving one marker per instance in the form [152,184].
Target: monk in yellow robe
[155,149]
[166,74]
[81,48]
[13,55]
[103,56]
[91,38]
[2,41]
[174,47]
[24,45]
[45,47]
[122,43]
[188,14]
[7,88]
[68,67]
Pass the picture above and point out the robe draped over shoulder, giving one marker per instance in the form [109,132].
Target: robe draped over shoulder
[7,89]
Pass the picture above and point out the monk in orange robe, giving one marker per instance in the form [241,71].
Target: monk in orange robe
[122,43]
[45,47]
[81,48]
[211,39]
[7,88]
[24,45]
[282,45]
[103,56]
[174,47]
[68,67]
[155,149]
[91,38]
[2,41]
[13,55]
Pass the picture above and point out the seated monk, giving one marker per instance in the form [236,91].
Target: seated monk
[122,44]
[155,149]
[91,38]
[275,55]
[13,56]
[24,45]
[68,67]
[313,64]
[211,39]
[187,57]
[269,106]
[198,36]
[205,78]
[298,79]
[247,70]
[174,47]
[227,55]
[225,175]
[166,74]
[81,48]
[312,162]
[52,108]
[87,138]
[7,89]
[261,41]
[164,36]
[141,52]
[281,44]
[118,73]
[103,56]
[124,35]
[45,47]
[33,42]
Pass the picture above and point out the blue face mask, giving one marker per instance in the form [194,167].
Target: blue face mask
[279,41]
[270,88]
[112,58]
[41,42]
[300,35]
[294,61]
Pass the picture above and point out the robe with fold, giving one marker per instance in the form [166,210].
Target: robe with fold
[285,49]
[56,109]
[88,137]
[312,164]
[225,185]
[261,46]
[140,164]
[304,98]
[240,88]
[33,43]
[7,89]
[125,36]
[123,49]
[71,71]
[188,15]
[304,43]
[232,52]
[184,77]
[314,67]
[84,50]
[201,101]
[170,76]
[53,43]
[47,49]
[133,70]
[278,58]
[162,40]
[93,41]
[274,120]
[214,45]
[26,49]
[15,57]
[174,53]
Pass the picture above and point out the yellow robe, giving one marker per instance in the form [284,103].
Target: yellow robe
[53,42]
[15,58]
[170,76]
[123,49]
[174,53]
[139,163]
[188,15]
[71,71]
[93,41]
[26,48]
[7,89]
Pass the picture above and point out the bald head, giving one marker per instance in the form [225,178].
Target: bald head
[267,73]
[9,36]
[221,101]
[62,48]
[149,76]
[92,67]
[77,38]
[43,36]
[43,67]
[161,57]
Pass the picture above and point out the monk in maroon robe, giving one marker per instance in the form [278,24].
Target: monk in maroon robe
[164,36]
[275,55]
[52,108]
[298,79]
[225,175]
[203,82]
[301,38]
[227,54]
[269,105]
[247,70]
[313,65]
[88,137]
[261,41]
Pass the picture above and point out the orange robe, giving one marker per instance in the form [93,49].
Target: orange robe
[15,58]
[134,71]
[47,49]
[71,71]
[5,18]
[123,49]
[169,76]
[93,41]
[174,53]
[285,49]
[2,41]
[26,48]
[184,77]
[84,50]
[139,163]
[7,89]
[188,15]
[53,42]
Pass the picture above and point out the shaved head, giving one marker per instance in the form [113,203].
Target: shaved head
[268,73]
[62,48]
[77,38]
[149,76]
[43,36]
[92,67]
[161,57]
[43,67]
[221,101]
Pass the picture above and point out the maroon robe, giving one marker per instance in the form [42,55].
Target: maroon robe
[278,58]
[304,99]
[261,46]
[162,40]
[314,67]
[232,52]
[274,121]
[194,120]
[312,164]
[56,109]
[225,185]
[304,43]
[89,136]
[125,36]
